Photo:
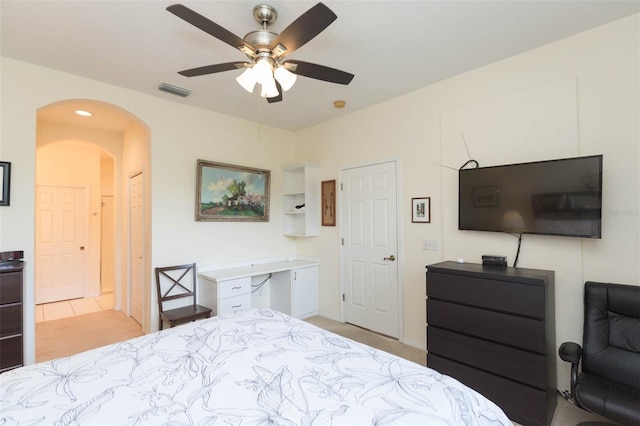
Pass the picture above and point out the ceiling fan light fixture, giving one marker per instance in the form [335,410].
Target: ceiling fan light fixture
[285,77]
[247,80]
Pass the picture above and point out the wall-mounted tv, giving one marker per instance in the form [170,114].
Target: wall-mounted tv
[555,197]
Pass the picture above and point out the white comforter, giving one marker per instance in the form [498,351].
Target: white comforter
[247,368]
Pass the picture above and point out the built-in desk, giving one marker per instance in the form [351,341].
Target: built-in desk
[286,286]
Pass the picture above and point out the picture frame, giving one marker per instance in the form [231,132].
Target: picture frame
[5,182]
[329,203]
[421,210]
[231,193]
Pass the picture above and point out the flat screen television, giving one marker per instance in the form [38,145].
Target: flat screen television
[556,197]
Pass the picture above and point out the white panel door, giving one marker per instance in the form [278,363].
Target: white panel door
[370,275]
[60,243]
[136,243]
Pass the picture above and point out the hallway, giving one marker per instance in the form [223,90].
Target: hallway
[74,307]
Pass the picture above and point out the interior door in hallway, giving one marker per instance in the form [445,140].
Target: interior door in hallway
[136,243]
[60,243]
[370,270]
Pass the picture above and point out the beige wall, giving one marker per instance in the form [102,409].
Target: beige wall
[179,136]
[603,67]
[603,63]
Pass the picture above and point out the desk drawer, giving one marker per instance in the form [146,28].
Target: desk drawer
[235,303]
[524,333]
[231,288]
[505,296]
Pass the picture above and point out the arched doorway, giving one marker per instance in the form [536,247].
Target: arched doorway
[93,157]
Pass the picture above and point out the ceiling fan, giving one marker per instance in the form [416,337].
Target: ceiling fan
[267,51]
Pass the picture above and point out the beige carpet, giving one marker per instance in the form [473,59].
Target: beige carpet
[378,341]
[67,336]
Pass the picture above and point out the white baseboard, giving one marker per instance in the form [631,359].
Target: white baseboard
[415,344]
[329,315]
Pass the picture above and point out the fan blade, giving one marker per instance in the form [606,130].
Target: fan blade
[210,27]
[212,69]
[307,26]
[320,72]
[276,98]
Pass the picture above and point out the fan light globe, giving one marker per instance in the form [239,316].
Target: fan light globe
[247,80]
[269,89]
[263,71]
[285,77]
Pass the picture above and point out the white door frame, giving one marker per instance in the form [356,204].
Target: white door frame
[399,226]
[127,290]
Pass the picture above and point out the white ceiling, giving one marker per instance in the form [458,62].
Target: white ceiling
[392,47]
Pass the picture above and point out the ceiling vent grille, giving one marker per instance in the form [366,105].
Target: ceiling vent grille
[174,90]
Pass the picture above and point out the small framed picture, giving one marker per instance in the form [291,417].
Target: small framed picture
[421,210]
[5,179]
[329,203]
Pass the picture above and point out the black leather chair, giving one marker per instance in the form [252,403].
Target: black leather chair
[609,383]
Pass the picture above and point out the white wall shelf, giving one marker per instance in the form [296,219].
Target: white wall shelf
[300,186]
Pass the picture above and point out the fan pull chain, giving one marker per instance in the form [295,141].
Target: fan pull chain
[259,120]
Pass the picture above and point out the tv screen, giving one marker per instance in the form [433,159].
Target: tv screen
[555,197]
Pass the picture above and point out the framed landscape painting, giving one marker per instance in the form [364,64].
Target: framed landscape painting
[229,193]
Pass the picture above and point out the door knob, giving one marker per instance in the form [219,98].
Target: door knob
[391,258]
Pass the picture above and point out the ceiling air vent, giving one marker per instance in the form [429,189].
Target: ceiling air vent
[174,90]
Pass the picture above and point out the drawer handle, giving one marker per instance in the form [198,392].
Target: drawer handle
[236,288]
[236,306]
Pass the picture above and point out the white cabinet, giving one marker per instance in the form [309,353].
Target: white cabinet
[304,292]
[301,200]
[296,292]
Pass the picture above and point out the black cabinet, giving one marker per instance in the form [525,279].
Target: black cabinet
[11,323]
[494,330]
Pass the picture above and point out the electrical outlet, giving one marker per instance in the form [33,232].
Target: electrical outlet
[430,245]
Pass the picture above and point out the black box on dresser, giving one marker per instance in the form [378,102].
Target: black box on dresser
[494,330]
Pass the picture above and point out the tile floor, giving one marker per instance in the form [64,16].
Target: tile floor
[70,308]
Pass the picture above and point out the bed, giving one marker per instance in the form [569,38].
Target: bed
[257,366]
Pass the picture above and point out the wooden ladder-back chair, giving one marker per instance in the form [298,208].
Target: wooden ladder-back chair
[178,282]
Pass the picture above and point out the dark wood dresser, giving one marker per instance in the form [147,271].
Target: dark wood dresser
[494,330]
[11,352]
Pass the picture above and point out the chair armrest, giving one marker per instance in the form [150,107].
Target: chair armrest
[570,352]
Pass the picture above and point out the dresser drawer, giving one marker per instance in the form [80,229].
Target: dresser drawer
[10,352]
[524,333]
[235,303]
[235,287]
[10,319]
[502,360]
[521,403]
[10,287]
[505,296]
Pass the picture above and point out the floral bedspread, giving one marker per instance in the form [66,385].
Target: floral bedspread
[251,367]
